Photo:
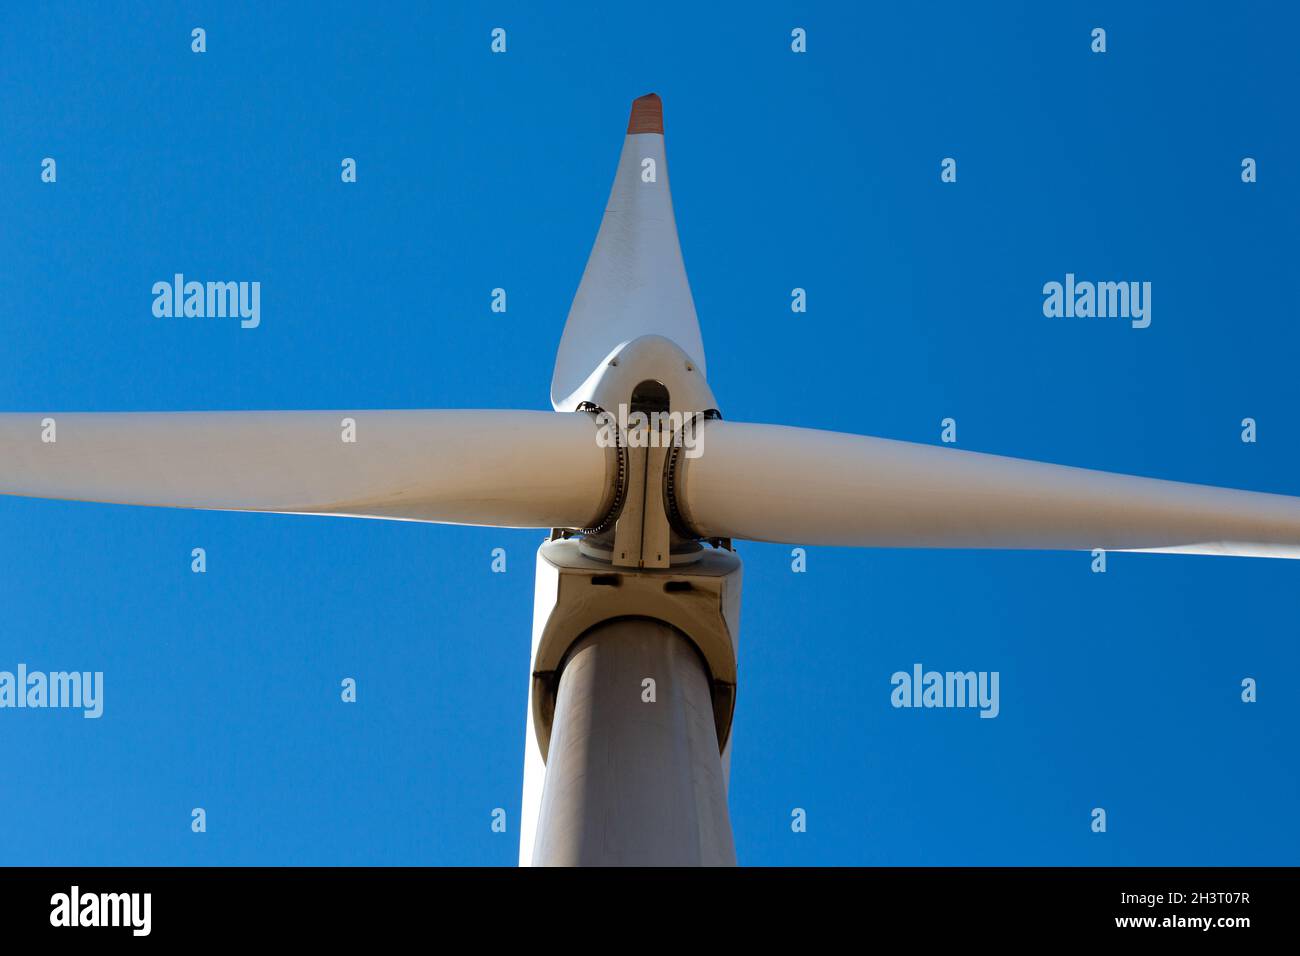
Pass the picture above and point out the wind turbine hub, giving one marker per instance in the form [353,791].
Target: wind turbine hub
[649,401]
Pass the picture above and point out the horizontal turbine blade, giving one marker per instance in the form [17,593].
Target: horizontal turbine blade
[499,468]
[800,486]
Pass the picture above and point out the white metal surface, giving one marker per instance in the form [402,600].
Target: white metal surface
[634,781]
[502,468]
[801,486]
[647,357]
[635,281]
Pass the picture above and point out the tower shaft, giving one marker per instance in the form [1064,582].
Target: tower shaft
[634,776]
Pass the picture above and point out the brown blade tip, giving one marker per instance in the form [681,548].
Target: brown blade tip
[647,115]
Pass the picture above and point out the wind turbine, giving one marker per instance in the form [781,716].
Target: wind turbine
[633,678]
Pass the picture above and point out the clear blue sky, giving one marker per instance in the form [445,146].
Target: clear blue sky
[924,301]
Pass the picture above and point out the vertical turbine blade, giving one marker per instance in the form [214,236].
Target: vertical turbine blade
[635,282]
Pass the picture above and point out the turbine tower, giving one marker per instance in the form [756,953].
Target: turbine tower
[643,486]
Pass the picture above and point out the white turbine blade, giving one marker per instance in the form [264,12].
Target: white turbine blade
[501,468]
[635,281]
[800,486]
